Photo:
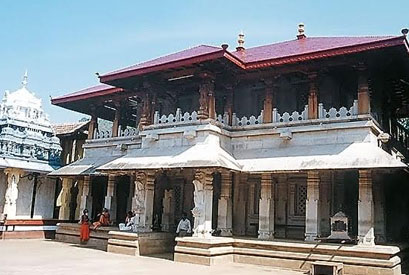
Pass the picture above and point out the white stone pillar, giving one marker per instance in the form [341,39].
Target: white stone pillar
[109,198]
[266,208]
[11,195]
[366,222]
[168,211]
[225,211]
[281,206]
[86,198]
[312,218]
[203,199]
[379,210]
[325,203]
[240,200]
[65,198]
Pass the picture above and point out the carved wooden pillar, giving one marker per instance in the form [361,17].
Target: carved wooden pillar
[266,208]
[115,124]
[203,199]
[313,96]
[268,102]
[225,211]
[366,221]
[228,108]
[86,198]
[312,215]
[207,106]
[146,117]
[363,91]
[93,124]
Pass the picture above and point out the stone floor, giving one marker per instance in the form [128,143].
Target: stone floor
[48,257]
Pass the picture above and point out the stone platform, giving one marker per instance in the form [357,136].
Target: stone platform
[112,240]
[382,260]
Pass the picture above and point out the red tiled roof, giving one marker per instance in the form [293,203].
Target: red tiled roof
[292,51]
[97,90]
[198,51]
[68,128]
[303,46]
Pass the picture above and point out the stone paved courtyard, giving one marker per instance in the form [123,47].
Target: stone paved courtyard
[49,257]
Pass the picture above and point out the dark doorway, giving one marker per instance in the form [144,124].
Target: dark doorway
[122,195]
[99,190]
[73,201]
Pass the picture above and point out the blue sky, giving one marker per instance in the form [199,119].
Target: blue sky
[63,43]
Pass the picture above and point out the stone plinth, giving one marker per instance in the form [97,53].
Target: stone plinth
[356,259]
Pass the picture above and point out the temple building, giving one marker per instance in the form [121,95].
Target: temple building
[274,152]
[29,150]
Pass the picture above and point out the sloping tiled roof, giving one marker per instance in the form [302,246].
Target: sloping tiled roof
[303,46]
[287,52]
[68,128]
[88,92]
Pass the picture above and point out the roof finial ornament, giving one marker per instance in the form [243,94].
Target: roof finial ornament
[25,79]
[301,34]
[404,31]
[240,42]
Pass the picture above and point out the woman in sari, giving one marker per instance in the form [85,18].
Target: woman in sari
[84,229]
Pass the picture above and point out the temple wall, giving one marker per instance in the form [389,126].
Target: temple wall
[25,192]
[3,186]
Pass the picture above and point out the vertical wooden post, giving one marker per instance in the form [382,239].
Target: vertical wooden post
[146,111]
[206,101]
[313,96]
[268,102]
[363,91]
[115,124]
[92,126]
[228,108]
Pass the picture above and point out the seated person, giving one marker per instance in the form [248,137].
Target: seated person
[184,227]
[129,222]
[104,219]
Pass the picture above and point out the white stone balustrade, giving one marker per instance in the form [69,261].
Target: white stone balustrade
[178,117]
[244,121]
[223,119]
[102,134]
[333,113]
[287,117]
[128,132]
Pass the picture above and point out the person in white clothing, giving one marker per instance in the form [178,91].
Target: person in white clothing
[184,226]
[129,222]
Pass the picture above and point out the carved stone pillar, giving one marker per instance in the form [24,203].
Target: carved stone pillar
[266,208]
[313,97]
[339,192]
[240,202]
[142,201]
[225,211]
[86,198]
[363,91]
[379,210]
[110,202]
[206,91]
[65,198]
[325,203]
[92,126]
[115,124]
[203,199]
[366,221]
[268,102]
[11,195]
[168,211]
[281,206]
[312,217]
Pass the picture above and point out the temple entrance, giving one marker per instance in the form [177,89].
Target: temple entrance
[73,201]
[99,189]
[122,197]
